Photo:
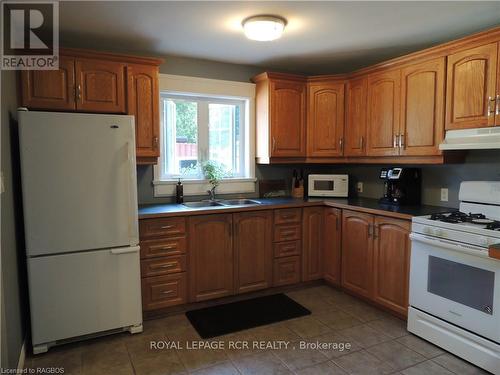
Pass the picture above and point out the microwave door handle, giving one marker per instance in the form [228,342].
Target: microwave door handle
[450,245]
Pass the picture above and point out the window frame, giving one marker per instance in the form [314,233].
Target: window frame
[203,138]
[220,90]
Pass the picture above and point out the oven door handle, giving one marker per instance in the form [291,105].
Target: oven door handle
[451,245]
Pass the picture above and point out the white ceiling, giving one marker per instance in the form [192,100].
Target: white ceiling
[321,37]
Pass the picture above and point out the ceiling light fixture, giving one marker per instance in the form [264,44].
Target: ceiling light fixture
[263,28]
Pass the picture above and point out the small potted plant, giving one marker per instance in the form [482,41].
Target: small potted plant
[214,172]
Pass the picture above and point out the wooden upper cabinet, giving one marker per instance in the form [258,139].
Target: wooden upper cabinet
[471,85]
[383,113]
[143,103]
[357,252]
[281,116]
[100,86]
[325,119]
[391,262]
[355,127]
[288,128]
[50,89]
[422,108]
[331,245]
[210,257]
[312,243]
[253,251]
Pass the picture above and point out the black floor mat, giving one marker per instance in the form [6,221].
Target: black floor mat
[237,316]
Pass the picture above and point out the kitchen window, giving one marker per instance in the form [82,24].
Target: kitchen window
[208,124]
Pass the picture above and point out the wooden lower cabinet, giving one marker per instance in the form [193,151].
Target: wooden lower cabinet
[391,263]
[253,250]
[286,271]
[332,245]
[160,292]
[312,243]
[211,269]
[357,252]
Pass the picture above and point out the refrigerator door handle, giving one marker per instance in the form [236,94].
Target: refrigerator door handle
[125,250]
[132,199]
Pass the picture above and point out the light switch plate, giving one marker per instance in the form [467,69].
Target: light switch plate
[359,187]
[444,195]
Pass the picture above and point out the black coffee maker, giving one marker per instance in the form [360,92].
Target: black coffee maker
[401,186]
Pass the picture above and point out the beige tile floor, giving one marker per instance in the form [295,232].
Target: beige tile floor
[379,343]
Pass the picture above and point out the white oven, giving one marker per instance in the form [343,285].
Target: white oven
[328,185]
[457,283]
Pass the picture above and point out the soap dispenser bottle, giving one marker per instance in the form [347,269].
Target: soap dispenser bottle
[179,192]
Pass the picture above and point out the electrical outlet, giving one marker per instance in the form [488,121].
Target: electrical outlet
[444,195]
[359,187]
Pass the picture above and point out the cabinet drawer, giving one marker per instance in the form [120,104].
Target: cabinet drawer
[163,266]
[162,227]
[286,271]
[163,247]
[287,215]
[287,232]
[286,249]
[163,291]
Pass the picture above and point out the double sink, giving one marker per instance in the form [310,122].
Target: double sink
[219,203]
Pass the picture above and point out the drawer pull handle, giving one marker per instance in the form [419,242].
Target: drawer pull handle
[166,227]
[166,292]
[166,265]
[286,233]
[168,247]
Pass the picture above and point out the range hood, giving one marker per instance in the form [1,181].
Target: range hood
[471,139]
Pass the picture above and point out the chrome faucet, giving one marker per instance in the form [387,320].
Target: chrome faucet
[211,193]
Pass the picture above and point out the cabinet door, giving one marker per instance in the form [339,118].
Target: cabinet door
[312,243]
[422,108]
[471,80]
[210,257]
[50,89]
[357,252]
[383,113]
[331,246]
[100,86]
[253,250]
[288,125]
[325,119]
[391,261]
[143,103]
[355,128]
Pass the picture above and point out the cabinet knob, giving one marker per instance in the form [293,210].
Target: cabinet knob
[395,141]
[78,92]
[491,111]
[155,142]
[341,144]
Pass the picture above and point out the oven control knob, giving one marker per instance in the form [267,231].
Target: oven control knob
[488,309]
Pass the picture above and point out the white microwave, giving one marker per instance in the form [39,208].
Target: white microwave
[328,185]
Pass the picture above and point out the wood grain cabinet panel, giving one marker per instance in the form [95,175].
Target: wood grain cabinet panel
[287,248]
[355,127]
[471,85]
[287,232]
[332,240]
[211,270]
[288,118]
[287,216]
[253,250]
[312,243]
[143,103]
[422,108]
[325,119]
[163,247]
[391,262]
[100,86]
[173,226]
[357,252]
[163,265]
[160,292]
[50,89]
[286,271]
[383,113]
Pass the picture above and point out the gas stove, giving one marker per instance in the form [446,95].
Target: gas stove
[476,222]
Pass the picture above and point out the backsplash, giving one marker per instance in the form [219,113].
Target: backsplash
[479,165]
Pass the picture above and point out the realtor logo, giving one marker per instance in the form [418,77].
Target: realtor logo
[30,35]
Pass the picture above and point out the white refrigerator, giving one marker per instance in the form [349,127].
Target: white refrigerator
[80,216]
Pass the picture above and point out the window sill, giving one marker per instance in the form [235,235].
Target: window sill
[166,188]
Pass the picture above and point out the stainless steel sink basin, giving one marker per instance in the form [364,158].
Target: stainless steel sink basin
[202,204]
[239,202]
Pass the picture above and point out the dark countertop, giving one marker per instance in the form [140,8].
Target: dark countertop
[367,205]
